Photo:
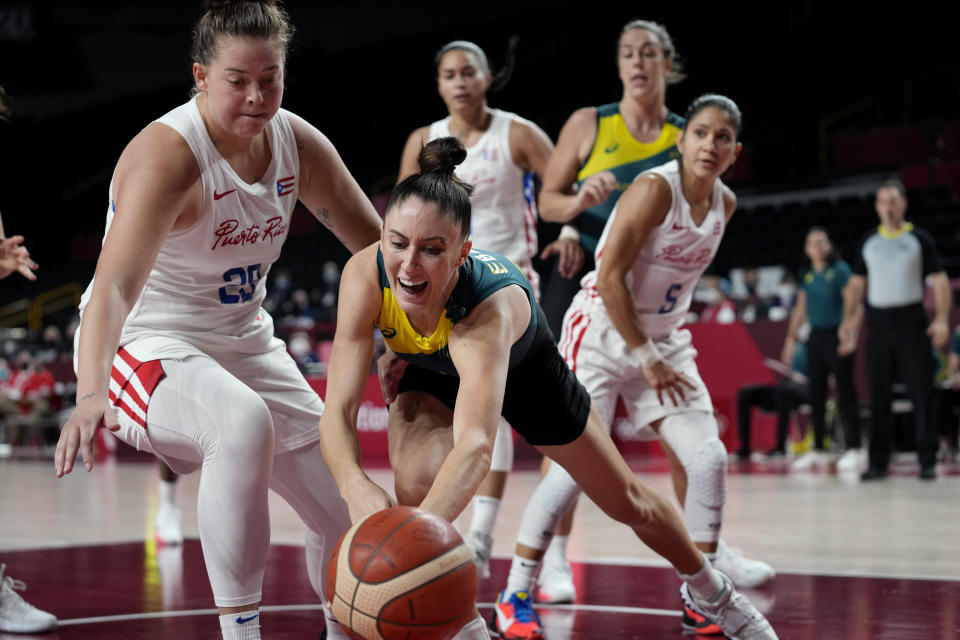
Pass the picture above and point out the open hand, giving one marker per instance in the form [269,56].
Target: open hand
[93,411]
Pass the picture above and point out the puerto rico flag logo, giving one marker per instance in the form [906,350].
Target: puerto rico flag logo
[285,185]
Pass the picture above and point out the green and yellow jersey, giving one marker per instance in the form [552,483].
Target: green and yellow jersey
[479,277]
[615,150]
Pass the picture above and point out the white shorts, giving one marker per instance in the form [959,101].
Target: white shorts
[596,352]
[273,375]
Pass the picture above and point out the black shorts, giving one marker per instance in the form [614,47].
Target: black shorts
[544,402]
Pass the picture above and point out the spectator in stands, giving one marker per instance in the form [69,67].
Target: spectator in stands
[754,306]
[301,349]
[820,302]
[28,399]
[889,269]
[948,399]
[786,396]
[52,344]
[720,308]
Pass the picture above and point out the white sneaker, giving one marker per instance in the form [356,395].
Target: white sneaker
[166,526]
[555,582]
[16,614]
[852,461]
[732,612]
[810,460]
[480,545]
[744,572]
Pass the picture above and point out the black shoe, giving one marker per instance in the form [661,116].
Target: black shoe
[743,455]
[776,452]
[873,473]
[928,472]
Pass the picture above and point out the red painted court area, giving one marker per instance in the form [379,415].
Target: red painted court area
[132,591]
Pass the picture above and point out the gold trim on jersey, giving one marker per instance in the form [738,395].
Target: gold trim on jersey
[893,235]
[615,146]
[400,335]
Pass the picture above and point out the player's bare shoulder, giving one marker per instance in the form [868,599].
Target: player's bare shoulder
[162,153]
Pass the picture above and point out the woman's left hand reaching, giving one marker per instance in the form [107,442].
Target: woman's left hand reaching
[15,257]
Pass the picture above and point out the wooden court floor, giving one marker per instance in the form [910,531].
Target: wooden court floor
[854,561]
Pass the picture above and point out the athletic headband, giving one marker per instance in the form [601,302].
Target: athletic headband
[466,45]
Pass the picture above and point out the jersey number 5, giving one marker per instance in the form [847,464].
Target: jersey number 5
[672,294]
[241,283]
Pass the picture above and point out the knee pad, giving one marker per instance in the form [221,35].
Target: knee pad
[551,500]
[706,491]
[707,474]
[502,459]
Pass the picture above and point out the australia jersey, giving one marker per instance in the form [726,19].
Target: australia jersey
[480,276]
[674,256]
[208,280]
[504,214]
[617,151]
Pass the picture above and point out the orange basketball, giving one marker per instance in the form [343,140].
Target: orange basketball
[402,574]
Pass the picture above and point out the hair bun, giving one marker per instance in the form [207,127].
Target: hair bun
[441,155]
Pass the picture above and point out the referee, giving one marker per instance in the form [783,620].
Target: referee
[890,267]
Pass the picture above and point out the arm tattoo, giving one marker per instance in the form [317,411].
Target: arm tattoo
[89,395]
[323,215]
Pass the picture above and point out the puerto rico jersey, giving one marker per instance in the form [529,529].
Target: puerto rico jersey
[674,256]
[208,281]
[617,151]
[480,276]
[504,214]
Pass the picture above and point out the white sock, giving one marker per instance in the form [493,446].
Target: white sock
[485,510]
[557,548]
[476,629]
[705,584]
[522,573]
[244,625]
[168,492]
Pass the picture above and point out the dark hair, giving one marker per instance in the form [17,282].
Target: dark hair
[676,73]
[834,255]
[893,183]
[437,183]
[239,18]
[718,101]
[499,79]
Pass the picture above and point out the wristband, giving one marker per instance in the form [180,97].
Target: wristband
[646,355]
[569,232]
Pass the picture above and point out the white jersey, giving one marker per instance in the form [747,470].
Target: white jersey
[675,255]
[208,281]
[504,217]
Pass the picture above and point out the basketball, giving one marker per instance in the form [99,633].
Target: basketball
[402,573]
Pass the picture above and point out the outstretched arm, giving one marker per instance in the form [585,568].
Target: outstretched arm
[480,349]
[349,367]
